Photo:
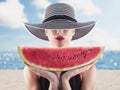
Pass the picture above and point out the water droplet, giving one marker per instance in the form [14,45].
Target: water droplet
[115,64]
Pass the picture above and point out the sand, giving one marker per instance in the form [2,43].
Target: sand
[13,80]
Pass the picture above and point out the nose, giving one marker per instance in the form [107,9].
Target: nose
[60,31]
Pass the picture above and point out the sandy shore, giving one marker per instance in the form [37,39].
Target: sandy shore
[13,80]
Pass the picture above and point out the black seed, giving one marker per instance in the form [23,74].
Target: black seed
[35,54]
[70,58]
[77,55]
[64,57]
[74,55]
[90,49]
[84,56]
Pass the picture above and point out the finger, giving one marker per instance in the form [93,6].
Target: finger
[43,73]
[74,72]
[79,70]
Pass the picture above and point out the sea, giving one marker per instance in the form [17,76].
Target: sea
[10,60]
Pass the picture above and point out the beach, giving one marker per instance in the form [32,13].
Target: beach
[13,80]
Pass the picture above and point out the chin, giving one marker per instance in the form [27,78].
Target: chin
[60,44]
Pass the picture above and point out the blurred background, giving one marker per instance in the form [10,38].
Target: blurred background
[13,14]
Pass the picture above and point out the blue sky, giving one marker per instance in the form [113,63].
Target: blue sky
[13,13]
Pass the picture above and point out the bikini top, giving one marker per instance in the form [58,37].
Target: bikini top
[75,83]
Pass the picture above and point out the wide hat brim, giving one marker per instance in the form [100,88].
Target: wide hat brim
[81,28]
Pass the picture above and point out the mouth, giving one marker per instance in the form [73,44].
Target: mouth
[59,38]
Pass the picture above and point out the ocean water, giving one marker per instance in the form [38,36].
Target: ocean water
[10,60]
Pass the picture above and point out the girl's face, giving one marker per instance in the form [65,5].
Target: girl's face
[60,38]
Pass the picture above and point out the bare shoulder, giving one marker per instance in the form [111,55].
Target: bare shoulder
[29,73]
[90,72]
[31,79]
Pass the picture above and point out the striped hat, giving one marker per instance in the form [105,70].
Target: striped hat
[60,16]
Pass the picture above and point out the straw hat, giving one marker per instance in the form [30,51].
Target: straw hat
[60,16]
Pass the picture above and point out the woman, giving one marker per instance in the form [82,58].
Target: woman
[60,27]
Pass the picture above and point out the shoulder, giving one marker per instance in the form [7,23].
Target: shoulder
[89,79]
[31,79]
[29,73]
[90,72]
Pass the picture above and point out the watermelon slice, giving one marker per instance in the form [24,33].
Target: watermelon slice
[59,59]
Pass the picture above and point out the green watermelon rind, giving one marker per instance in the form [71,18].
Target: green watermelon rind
[26,62]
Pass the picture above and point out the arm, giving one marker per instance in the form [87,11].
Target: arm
[69,74]
[89,79]
[31,78]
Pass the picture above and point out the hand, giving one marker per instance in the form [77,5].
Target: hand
[51,76]
[69,74]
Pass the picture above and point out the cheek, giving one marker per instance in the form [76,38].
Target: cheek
[51,36]
[69,36]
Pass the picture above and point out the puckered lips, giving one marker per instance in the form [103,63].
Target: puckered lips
[59,38]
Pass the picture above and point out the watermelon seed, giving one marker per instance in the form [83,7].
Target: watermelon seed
[59,57]
[34,53]
[84,56]
[83,53]
[74,55]
[70,58]
[90,49]
[77,55]
[64,57]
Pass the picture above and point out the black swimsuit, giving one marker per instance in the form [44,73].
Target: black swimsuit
[75,83]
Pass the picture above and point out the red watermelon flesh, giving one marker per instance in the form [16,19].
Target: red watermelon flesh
[59,59]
